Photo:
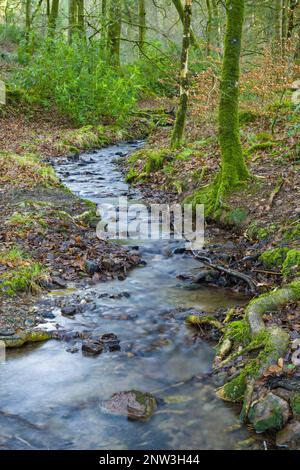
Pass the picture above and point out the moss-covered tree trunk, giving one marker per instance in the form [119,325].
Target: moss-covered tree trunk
[27,19]
[297,26]
[233,167]
[216,24]
[80,20]
[72,19]
[53,17]
[104,20]
[209,25]
[278,24]
[180,11]
[179,126]
[291,18]
[284,28]
[142,25]
[114,32]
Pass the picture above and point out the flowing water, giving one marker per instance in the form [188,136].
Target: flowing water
[51,399]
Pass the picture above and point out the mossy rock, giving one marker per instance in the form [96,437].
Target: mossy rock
[274,258]
[33,336]
[135,405]
[291,263]
[234,390]
[295,405]
[270,413]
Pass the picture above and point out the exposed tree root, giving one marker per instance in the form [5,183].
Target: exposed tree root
[197,321]
[272,341]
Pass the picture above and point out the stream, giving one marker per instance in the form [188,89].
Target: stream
[51,399]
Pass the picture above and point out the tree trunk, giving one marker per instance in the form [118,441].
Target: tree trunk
[291,18]
[48,9]
[278,24]
[297,25]
[284,25]
[53,17]
[27,19]
[180,10]
[216,24]
[209,28]
[72,19]
[80,21]
[233,167]
[114,32]
[104,20]
[142,25]
[179,126]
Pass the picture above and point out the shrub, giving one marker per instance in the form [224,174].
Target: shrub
[78,81]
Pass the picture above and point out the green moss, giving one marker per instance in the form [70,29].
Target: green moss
[263,137]
[295,404]
[23,279]
[256,232]
[25,220]
[274,258]
[293,234]
[84,138]
[235,389]
[132,175]
[291,263]
[236,216]
[238,332]
[260,146]
[155,160]
[246,117]
[12,257]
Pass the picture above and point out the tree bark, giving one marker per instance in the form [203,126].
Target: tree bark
[216,24]
[179,126]
[209,28]
[278,23]
[114,32]
[180,10]
[284,25]
[233,167]
[73,14]
[53,17]
[80,22]
[142,25]
[291,18]
[297,26]
[27,18]
[104,20]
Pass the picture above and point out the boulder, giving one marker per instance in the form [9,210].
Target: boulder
[271,412]
[290,434]
[133,404]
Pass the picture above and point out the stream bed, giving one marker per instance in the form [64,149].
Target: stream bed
[51,398]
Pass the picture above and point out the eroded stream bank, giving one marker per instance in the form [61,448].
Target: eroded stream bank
[51,394]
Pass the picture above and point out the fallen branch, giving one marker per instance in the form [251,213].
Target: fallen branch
[207,262]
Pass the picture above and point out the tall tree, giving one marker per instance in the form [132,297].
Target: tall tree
[180,11]
[103,19]
[142,24]
[216,23]
[233,167]
[27,18]
[114,31]
[179,126]
[297,26]
[80,21]
[278,23]
[53,17]
[209,27]
[72,19]
[284,27]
